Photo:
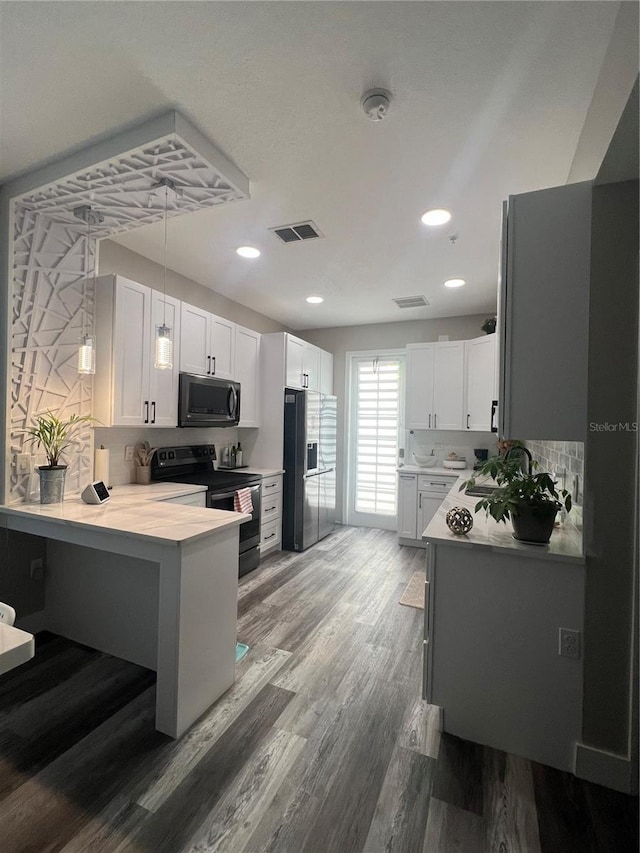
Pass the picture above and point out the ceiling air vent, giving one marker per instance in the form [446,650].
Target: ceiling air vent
[411,301]
[295,233]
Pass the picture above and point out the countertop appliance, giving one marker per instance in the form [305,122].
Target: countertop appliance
[309,482]
[204,401]
[193,464]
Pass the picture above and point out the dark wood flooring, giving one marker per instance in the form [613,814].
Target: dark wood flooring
[323,745]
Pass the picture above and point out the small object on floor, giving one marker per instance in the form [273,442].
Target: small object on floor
[413,595]
[241,650]
[459,520]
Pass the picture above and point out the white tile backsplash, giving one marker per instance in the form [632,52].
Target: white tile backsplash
[117,438]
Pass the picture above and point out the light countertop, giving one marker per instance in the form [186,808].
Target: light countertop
[262,472]
[438,471]
[565,544]
[152,519]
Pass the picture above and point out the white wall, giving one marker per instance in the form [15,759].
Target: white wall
[385,336]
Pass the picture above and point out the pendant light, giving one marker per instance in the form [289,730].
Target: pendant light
[87,348]
[163,359]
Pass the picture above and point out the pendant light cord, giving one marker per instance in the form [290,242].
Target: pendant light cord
[164,300]
[84,280]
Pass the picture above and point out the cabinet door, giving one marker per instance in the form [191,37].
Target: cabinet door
[163,384]
[131,353]
[544,291]
[480,382]
[419,386]
[311,367]
[427,508]
[448,385]
[407,506]
[326,372]
[194,340]
[246,372]
[295,361]
[222,347]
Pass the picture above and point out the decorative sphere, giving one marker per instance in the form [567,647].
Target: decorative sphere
[459,520]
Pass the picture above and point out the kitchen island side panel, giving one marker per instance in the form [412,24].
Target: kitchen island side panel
[495,668]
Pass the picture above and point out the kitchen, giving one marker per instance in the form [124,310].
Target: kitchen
[119,258]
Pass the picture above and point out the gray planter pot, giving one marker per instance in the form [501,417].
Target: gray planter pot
[52,483]
[534,524]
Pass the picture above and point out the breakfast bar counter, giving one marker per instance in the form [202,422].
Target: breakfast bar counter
[151,582]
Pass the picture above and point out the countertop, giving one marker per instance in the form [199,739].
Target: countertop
[263,472]
[565,545]
[439,471]
[153,520]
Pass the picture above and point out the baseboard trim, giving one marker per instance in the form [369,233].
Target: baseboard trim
[606,768]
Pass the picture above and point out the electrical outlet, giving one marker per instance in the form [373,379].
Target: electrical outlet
[569,643]
[36,569]
[24,462]
[128,452]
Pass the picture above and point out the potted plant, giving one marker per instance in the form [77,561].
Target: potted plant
[489,325]
[529,499]
[54,435]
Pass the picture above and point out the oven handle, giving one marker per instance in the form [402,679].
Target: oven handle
[217,496]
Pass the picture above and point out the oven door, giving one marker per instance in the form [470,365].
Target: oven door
[250,530]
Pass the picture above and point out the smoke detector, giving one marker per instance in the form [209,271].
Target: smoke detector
[376,104]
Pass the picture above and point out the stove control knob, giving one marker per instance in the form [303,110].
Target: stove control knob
[163,456]
[172,455]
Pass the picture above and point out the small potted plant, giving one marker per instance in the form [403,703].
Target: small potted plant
[55,436]
[529,499]
[489,325]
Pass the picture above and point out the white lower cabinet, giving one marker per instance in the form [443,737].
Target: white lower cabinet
[419,497]
[128,389]
[271,514]
[407,506]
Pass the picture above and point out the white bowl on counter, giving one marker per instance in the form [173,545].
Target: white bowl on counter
[424,461]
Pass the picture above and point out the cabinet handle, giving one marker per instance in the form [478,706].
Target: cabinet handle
[429,421]
[270,509]
[435,421]
[146,411]
[270,536]
[271,486]
[420,501]
[407,476]
[468,416]
[153,411]
[209,370]
[213,365]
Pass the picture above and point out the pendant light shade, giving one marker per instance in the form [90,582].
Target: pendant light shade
[164,348]
[87,346]
[87,355]
[163,358]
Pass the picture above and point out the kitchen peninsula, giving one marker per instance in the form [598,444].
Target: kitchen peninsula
[149,581]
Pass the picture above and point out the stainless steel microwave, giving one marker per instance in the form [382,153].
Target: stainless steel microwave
[207,402]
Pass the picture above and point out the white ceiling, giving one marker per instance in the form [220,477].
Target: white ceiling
[489,99]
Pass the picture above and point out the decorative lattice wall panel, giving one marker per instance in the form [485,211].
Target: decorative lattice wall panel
[52,302]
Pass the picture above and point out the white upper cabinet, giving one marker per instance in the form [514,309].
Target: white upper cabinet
[326,372]
[194,345]
[128,389]
[302,364]
[246,372]
[543,314]
[163,384]
[480,355]
[419,386]
[448,385]
[294,362]
[208,343]
[222,348]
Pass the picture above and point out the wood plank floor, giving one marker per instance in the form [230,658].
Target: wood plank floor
[323,745]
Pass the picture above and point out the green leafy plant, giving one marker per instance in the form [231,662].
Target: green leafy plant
[516,488]
[55,435]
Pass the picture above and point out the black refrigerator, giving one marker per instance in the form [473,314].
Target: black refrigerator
[309,482]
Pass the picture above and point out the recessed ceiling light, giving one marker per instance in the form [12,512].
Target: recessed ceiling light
[454,282]
[315,300]
[437,216]
[248,252]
